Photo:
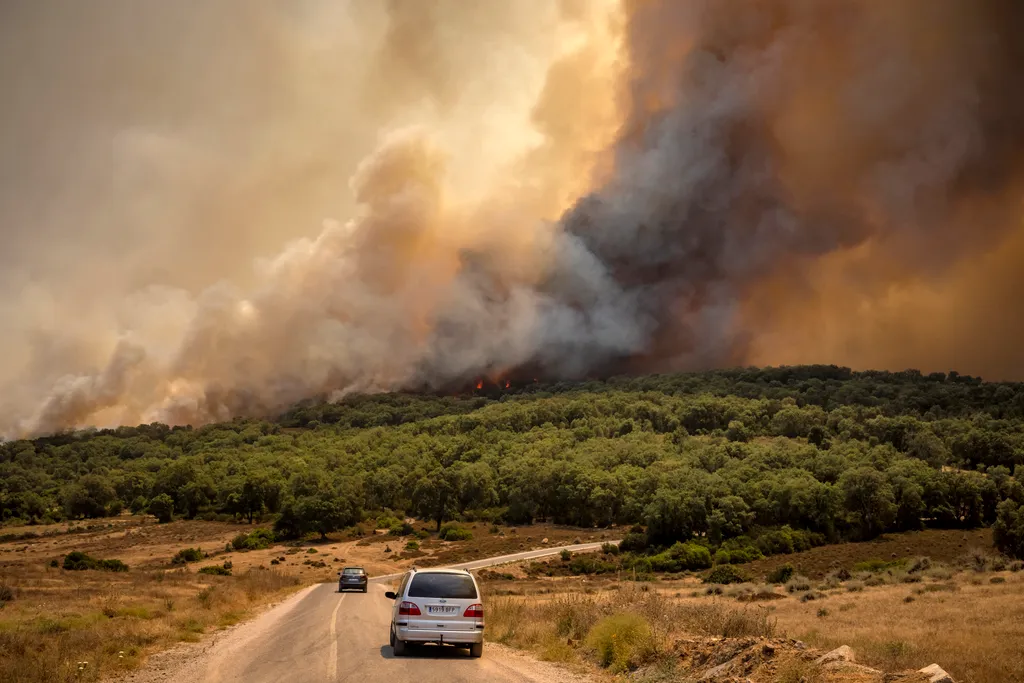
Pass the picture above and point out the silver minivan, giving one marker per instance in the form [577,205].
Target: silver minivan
[441,606]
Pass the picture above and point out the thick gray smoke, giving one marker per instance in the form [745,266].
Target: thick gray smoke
[765,136]
[790,181]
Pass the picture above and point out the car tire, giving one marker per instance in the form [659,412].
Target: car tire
[476,650]
[391,637]
[364,589]
[399,648]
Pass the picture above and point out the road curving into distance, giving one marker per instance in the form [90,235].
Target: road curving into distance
[321,636]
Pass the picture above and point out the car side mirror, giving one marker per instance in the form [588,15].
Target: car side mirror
[390,595]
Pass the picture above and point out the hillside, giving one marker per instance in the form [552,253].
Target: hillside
[730,458]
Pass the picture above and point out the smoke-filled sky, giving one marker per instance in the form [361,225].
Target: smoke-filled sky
[217,208]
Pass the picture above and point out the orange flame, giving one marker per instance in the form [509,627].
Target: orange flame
[479,384]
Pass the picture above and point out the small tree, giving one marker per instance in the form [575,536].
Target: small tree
[1008,530]
[162,507]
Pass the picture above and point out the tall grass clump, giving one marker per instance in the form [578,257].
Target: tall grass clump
[622,642]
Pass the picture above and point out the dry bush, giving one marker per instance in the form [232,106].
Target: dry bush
[796,670]
[919,564]
[939,573]
[622,642]
[798,584]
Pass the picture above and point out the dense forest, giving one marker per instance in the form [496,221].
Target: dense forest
[725,458]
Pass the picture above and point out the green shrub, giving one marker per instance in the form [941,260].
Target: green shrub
[622,642]
[412,546]
[113,566]
[186,555]
[451,532]
[725,573]
[588,564]
[387,521]
[740,555]
[781,574]
[79,561]
[565,555]
[609,549]
[680,557]
[423,534]
[257,539]
[6,593]
[401,529]
[785,540]
[639,564]
[216,570]
[633,543]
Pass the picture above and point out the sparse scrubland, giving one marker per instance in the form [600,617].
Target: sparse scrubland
[736,472]
[81,625]
[898,615]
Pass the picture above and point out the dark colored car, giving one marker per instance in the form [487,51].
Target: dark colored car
[352,577]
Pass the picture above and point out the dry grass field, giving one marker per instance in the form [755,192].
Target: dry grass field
[968,618]
[79,626]
[961,609]
[58,626]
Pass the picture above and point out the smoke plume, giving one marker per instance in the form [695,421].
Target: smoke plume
[217,209]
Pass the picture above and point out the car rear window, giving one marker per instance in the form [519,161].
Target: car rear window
[352,571]
[458,586]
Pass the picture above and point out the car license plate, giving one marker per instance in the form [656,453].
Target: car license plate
[441,609]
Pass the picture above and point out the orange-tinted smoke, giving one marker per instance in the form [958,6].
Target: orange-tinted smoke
[817,182]
[547,190]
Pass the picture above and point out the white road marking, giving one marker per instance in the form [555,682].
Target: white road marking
[332,662]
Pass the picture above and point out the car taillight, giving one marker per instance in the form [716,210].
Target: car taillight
[409,609]
[474,612]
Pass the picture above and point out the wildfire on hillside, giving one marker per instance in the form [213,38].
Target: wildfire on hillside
[569,190]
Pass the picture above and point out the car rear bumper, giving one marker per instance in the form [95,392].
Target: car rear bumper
[452,637]
[353,584]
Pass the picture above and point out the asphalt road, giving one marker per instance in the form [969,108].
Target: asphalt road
[326,637]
